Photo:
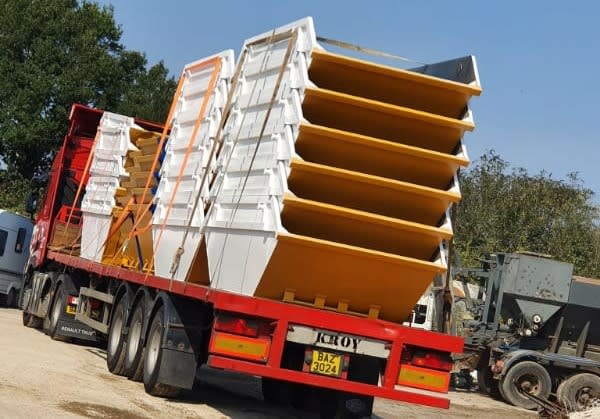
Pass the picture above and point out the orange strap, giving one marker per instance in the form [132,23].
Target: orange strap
[161,143]
[163,137]
[201,113]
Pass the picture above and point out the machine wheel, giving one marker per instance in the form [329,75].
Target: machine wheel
[528,376]
[115,349]
[487,384]
[485,379]
[152,359]
[58,307]
[134,354]
[579,392]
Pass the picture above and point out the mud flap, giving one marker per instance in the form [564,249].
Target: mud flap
[177,369]
[182,342]
[75,329]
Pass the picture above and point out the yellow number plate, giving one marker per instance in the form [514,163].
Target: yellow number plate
[70,309]
[326,363]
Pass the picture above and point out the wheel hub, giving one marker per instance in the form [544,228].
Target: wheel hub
[584,397]
[529,384]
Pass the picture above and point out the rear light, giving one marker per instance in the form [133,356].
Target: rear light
[434,360]
[72,300]
[236,325]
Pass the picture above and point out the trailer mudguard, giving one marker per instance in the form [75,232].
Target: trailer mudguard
[182,345]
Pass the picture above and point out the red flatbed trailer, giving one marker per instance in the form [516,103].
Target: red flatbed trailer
[161,331]
[288,315]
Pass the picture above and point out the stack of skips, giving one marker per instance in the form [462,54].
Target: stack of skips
[295,174]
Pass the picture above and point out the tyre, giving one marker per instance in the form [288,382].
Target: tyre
[485,379]
[115,349]
[11,298]
[134,353]
[579,392]
[364,370]
[153,357]
[276,392]
[58,307]
[526,376]
[487,384]
[279,392]
[29,320]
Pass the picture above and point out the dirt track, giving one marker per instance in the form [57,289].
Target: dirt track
[40,377]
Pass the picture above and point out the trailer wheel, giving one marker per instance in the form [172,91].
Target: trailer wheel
[152,359]
[275,392]
[579,392]
[134,354]
[280,392]
[58,307]
[526,376]
[115,350]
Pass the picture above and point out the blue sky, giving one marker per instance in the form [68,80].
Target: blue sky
[538,60]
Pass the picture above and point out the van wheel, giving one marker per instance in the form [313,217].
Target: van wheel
[11,298]
[153,357]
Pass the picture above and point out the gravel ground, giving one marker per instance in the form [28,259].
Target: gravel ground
[40,377]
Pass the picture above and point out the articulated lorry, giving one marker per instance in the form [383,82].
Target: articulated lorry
[535,334]
[282,223]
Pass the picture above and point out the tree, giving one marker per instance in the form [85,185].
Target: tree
[54,53]
[13,192]
[507,211]
[149,95]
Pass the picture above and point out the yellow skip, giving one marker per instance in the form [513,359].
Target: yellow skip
[384,121]
[368,193]
[389,84]
[339,272]
[377,157]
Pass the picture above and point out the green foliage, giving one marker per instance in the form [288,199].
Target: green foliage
[54,53]
[149,96]
[507,211]
[13,192]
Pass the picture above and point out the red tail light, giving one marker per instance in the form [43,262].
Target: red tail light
[72,300]
[236,325]
[435,360]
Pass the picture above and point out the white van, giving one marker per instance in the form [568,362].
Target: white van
[15,235]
